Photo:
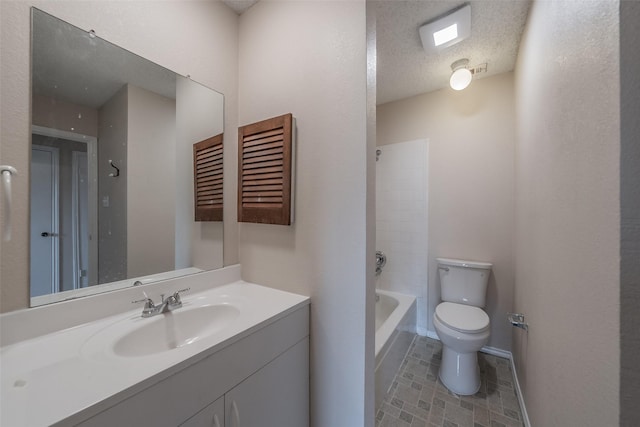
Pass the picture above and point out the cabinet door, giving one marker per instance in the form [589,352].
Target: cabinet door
[275,396]
[210,416]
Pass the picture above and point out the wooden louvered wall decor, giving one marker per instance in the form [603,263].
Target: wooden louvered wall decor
[208,182]
[265,160]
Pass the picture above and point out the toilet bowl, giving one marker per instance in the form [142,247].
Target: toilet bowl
[460,322]
[463,330]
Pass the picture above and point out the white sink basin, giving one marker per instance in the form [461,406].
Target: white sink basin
[174,329]
[163,332]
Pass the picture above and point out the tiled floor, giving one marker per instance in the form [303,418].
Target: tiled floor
[418,399]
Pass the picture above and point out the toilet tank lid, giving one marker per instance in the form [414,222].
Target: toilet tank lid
[463,263]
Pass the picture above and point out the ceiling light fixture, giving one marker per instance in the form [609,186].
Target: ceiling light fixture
[445,35]
[446,31]
[461,75]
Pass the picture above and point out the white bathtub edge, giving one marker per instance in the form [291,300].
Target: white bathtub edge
[423,332]
[395,319]
[393,340]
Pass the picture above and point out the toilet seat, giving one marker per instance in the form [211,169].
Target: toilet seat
[462,318]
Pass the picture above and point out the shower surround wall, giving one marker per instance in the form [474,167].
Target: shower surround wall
[401,221]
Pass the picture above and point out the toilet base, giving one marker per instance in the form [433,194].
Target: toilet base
[459,372]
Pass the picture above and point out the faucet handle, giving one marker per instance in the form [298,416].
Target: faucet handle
[149,307]
[148,302]
[176,294]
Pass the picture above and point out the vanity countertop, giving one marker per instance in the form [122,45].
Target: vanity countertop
[46,379]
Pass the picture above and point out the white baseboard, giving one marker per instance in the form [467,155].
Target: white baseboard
[523,408]
[496,352]
[499,353]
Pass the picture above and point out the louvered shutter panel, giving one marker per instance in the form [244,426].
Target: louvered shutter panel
[208,182]
[265,152]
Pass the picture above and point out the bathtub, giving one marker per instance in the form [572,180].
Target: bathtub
[395,329]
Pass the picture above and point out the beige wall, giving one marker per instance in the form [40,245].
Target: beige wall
[112,191]
[471,182]
[567,214]
[309,58]
[199,116]
[630,212]
[210,31]
[151,182]
[57,114]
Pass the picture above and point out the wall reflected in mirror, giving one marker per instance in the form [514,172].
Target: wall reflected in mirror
[112,166]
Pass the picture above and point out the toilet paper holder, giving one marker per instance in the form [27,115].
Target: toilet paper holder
[517,320]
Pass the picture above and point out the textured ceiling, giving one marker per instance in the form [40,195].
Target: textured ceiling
[240,6]
[404,69]
[70,65]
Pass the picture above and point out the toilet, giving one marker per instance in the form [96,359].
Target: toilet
[460,322]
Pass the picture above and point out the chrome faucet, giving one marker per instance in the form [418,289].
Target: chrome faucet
[169,304]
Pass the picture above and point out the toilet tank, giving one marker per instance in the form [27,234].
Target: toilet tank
[463,282]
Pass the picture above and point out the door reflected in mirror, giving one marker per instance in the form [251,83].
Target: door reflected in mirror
[112,166]
[61,192]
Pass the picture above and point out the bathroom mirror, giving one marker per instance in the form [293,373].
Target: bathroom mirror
[112,166]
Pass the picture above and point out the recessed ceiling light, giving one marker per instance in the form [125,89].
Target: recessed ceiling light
[446,31]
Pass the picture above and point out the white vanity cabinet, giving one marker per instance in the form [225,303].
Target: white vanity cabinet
[211,416]
[272,397]
[262,379]
[275,396]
